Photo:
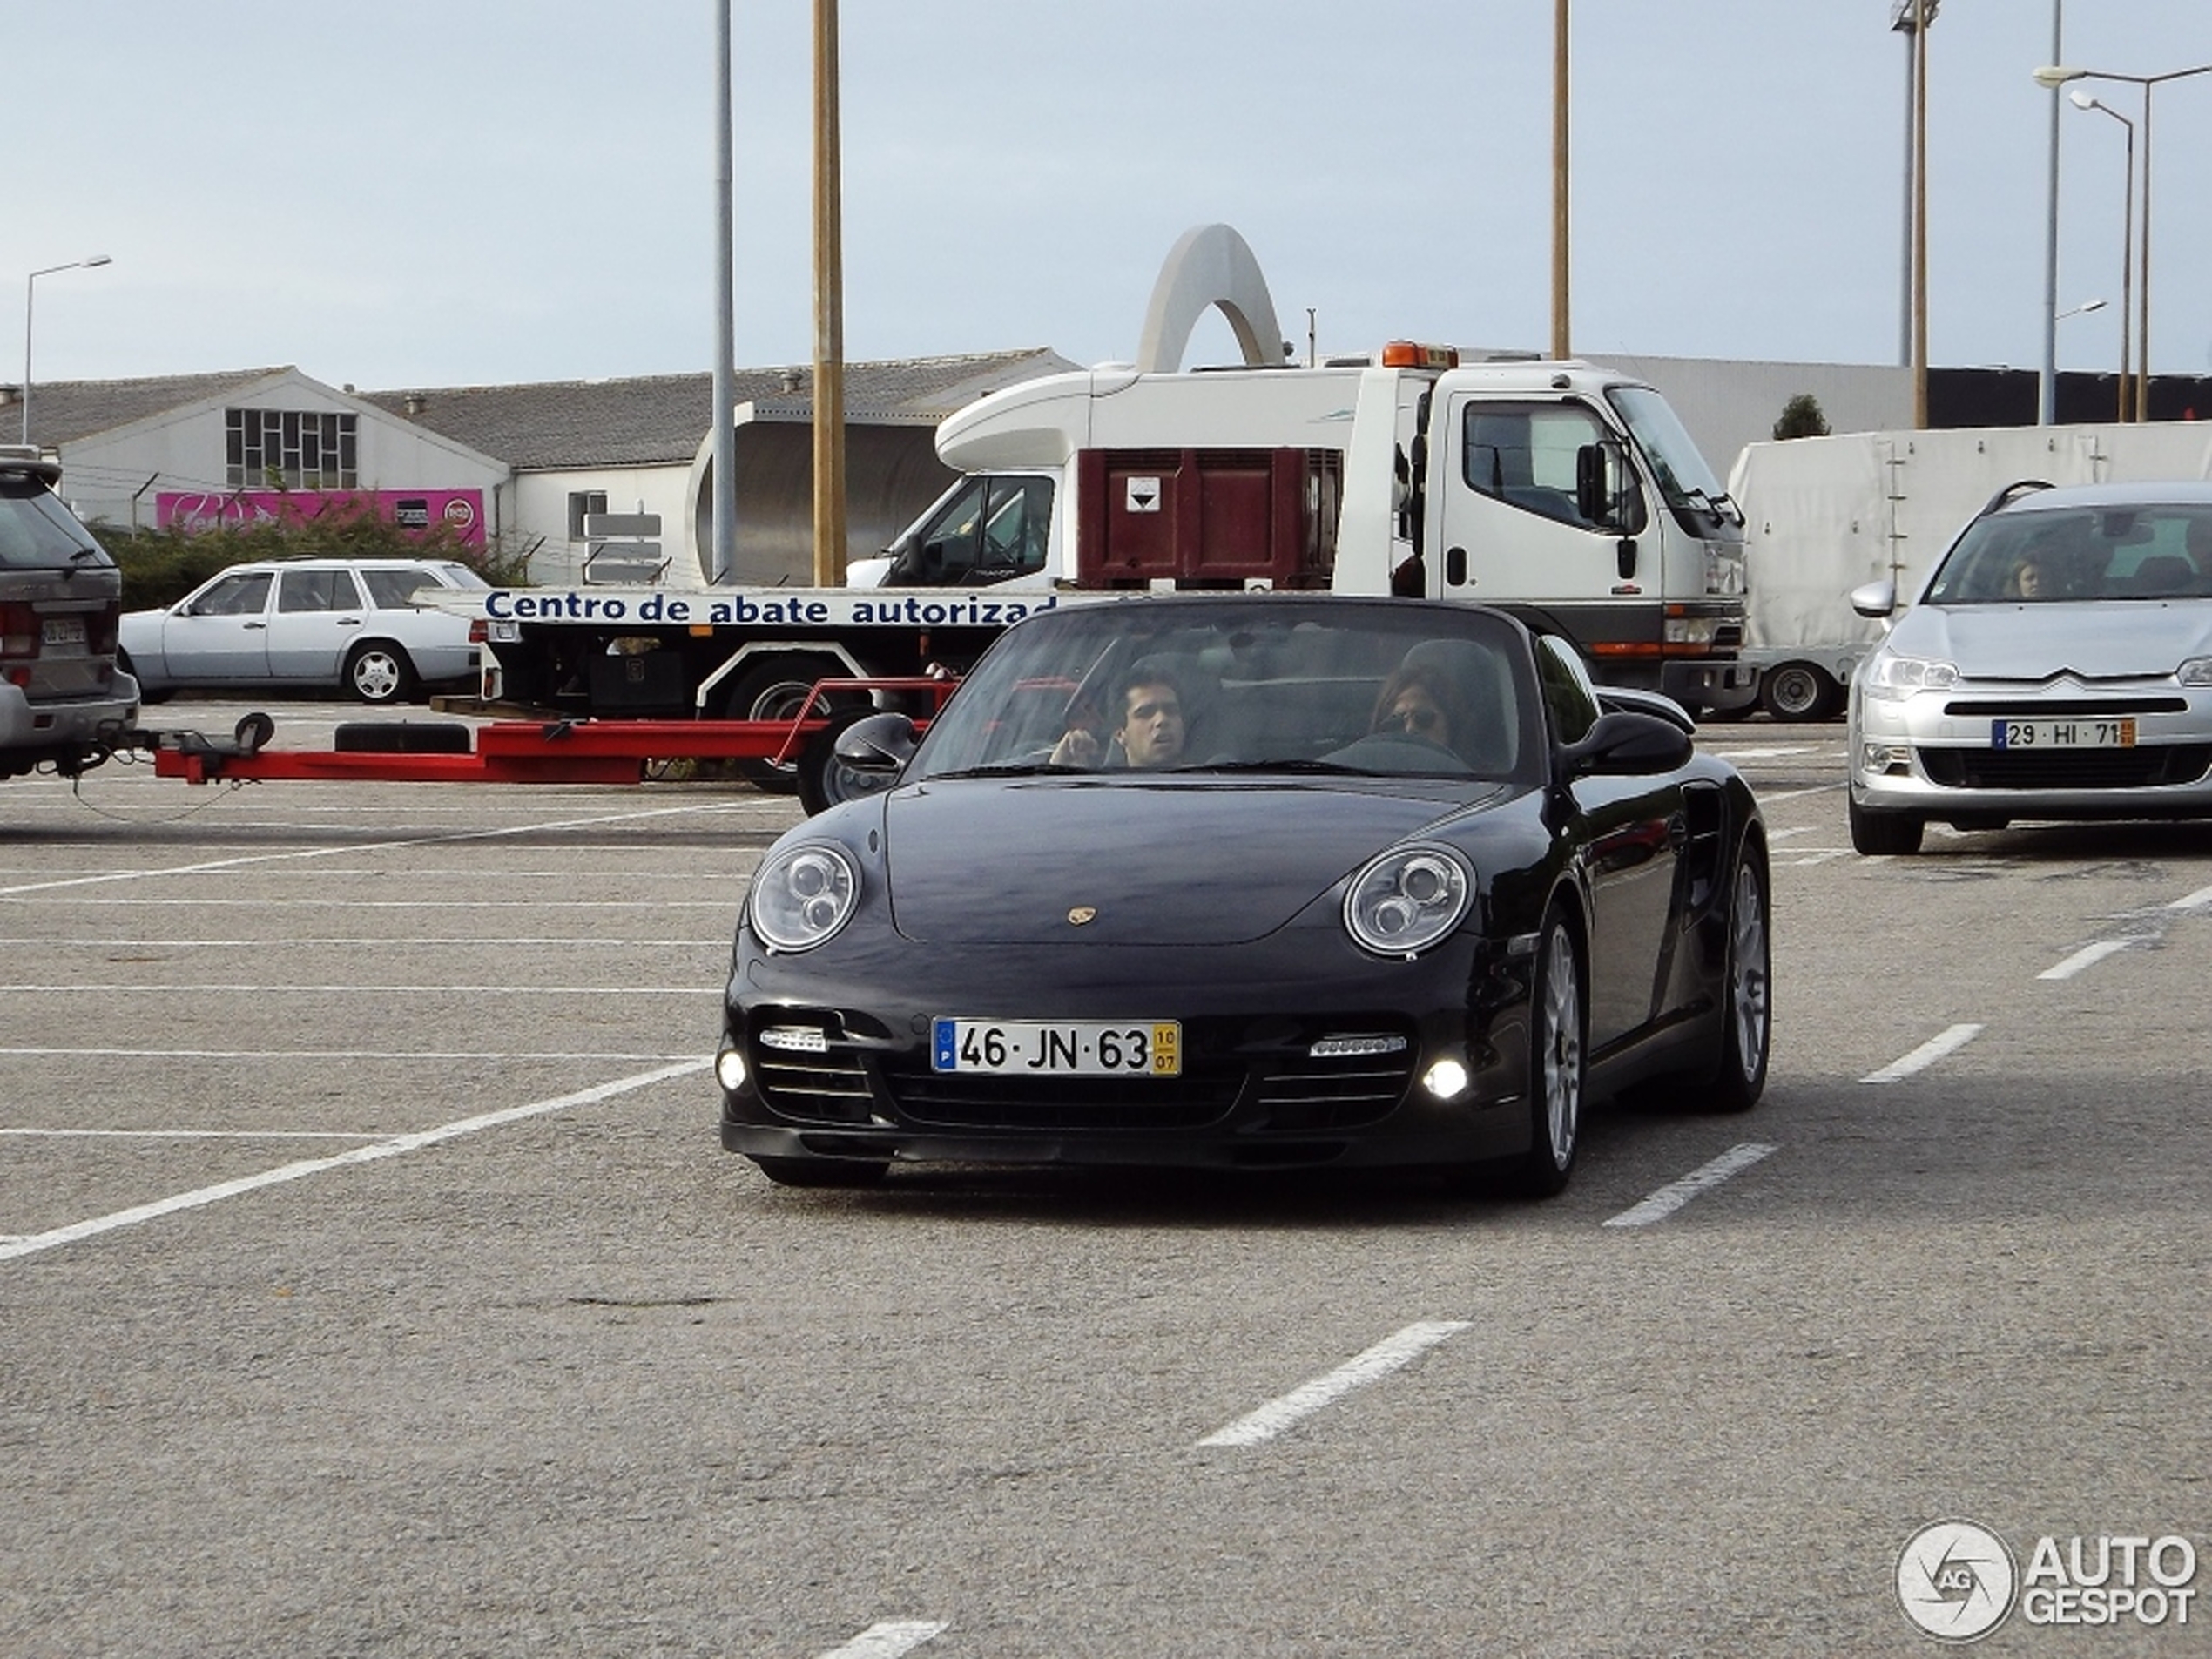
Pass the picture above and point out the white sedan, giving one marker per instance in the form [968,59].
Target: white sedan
[352,624]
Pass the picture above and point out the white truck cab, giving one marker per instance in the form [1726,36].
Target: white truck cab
[1558,489]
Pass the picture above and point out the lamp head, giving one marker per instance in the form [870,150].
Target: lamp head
[2054,76]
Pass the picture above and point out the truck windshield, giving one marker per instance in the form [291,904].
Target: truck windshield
[1684,479]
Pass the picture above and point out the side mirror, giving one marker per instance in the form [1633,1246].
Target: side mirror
[1637,700]
[1627,745]
[1593,491]
[879,743]
[1876,599]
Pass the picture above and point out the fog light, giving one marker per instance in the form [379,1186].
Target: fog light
[1446,1079]
[730,1070]
[1879,758]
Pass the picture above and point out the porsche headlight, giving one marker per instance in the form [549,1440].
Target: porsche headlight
[802,896]
[1407,900]
[1890,676]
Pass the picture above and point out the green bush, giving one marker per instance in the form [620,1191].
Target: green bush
[1802,418]
[161,566]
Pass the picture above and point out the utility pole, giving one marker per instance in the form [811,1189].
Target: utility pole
[721,555]
[829,310]
[1560,340]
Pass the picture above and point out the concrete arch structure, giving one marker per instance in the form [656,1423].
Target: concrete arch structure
[1209,267]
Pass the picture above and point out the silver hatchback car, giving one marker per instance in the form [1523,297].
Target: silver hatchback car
[2057,663]
[349,624]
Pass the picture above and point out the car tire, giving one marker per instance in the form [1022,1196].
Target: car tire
[824,780]
[1877,834]
[1747,1006]
[776,690]
[378,672]
[1797,692]
[820,1172]
[1558,1064]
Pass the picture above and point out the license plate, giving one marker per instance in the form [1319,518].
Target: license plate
[1127,1048]
[2078,733]
[63,630]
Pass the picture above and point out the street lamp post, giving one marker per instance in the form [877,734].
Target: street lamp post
[1908,18]
[29,288]
[2083,101]
[2057,75]
[2047,381]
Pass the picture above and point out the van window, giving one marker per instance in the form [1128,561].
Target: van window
[317,590]
[246,594]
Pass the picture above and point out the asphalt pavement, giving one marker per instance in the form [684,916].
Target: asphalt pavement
[372,1281]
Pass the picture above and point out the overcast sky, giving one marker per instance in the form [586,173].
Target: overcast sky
[420,193]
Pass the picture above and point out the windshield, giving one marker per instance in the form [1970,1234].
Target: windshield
[1253,683]
[1680,470]
[2038,557]
[36,532]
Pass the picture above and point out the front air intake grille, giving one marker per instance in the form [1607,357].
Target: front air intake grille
[2059,708]
[1330,1094]
[826,1087]
[957,1101]
[2137,768]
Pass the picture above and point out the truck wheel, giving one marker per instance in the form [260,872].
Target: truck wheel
[1886,834]
[776,690]
[379,671]
[824,780]
[1798,692]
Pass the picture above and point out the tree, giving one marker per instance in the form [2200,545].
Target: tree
[1800,418]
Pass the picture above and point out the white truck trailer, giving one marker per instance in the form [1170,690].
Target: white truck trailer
[1824,516]
[1563,491]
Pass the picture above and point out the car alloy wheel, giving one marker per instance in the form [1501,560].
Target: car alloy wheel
[1748,1012]
[1556,1064]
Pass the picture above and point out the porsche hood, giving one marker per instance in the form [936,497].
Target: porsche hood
[1124,863]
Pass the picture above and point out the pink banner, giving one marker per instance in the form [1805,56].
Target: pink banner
[462,511]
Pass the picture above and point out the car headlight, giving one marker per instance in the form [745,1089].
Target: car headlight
[1407,900]
[1893,676]
[2197,671]
[801,896]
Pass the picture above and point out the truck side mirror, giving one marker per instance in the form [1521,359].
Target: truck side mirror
[1593,488]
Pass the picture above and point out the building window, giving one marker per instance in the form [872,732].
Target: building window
[581,503]
[290,449]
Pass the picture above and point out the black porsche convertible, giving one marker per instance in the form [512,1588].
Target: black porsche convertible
[1252,881]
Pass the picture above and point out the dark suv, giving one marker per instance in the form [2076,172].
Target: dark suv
[62,698]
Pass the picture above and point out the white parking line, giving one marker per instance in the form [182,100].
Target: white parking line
[384,941]
[2087,956]
[196,1134]
[1766,796]
[1675,1194]
[440,1055]
[1734,755]
[418,988]
[1380,1360]
[248,861]
[2196,900]
[392,1146]
[887,1640]
[261,901]
[1925,1055]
